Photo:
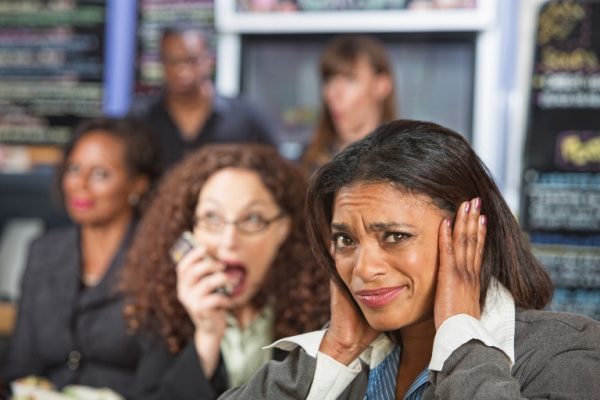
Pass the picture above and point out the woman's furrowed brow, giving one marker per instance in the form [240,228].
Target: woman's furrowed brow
[374,227]
[386,226]
[335,226]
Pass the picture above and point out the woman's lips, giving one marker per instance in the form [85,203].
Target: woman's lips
[379,297]
[337,115]
[81,204]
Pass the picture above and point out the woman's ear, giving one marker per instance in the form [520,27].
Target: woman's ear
[383,86]
[140,185]
[207,66]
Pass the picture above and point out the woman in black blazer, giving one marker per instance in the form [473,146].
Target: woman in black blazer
[70,327]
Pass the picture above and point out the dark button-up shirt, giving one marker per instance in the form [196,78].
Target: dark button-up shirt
[231,121]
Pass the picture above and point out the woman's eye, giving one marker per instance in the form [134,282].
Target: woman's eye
[99,174]
[212,217]
[254,218]
[252,222]
[395,237]
[341,241]
[72,169]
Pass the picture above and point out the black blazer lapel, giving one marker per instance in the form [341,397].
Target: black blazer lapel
[63,272]
[107,289]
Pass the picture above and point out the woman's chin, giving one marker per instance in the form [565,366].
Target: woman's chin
[384,324]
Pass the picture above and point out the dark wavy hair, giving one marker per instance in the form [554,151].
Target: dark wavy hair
[428,159]
[339,57]
[294,279]
[142,155]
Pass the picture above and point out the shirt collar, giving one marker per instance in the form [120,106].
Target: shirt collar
[498,318]
[220,104]
[264,316]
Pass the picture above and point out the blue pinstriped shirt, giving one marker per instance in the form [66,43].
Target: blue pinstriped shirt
[382,380]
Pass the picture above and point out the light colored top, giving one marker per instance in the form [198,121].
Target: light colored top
[242,348]
[496,328]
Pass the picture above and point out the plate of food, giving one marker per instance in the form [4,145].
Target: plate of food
[36,388]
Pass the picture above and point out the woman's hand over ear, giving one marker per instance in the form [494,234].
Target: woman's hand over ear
[348,334]
[461,256]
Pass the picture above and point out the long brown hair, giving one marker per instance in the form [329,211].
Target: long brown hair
[339,57]
[425,158]
[294,280]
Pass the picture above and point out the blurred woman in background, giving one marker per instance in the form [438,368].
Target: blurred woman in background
[243,205]
[357,92]
[70,327]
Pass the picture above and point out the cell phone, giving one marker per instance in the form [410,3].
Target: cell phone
[182,246]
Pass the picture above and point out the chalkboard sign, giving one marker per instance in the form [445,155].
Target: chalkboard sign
[561,181]
[51,68]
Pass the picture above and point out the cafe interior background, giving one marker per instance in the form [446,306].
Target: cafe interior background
[519,79]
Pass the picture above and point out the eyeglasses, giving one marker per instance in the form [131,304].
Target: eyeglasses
[248,225]
[177,61]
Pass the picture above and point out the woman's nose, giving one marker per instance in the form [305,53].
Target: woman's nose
[79,180]
[334,90]
[370,262]
[229,236]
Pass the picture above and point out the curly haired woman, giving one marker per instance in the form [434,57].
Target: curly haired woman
[244,205]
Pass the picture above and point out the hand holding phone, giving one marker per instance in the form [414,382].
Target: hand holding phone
[183,245]
[199,292]
[201,285]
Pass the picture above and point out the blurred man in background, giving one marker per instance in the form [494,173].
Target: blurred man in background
[188,113]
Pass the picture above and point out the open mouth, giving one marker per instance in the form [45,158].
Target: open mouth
[236,273]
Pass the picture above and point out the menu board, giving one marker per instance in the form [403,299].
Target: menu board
[51,68]
[561,182]
[153,17]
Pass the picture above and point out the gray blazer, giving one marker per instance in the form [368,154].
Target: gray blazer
[557,356]
[68,333]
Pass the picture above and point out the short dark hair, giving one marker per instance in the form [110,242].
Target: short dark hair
[181,28]
[142,155]
[428,159]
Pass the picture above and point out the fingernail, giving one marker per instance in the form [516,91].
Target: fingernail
[477,202]
[482,220]
[448,222]
[467,207]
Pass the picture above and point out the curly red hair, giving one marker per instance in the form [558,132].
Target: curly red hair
[294,279]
